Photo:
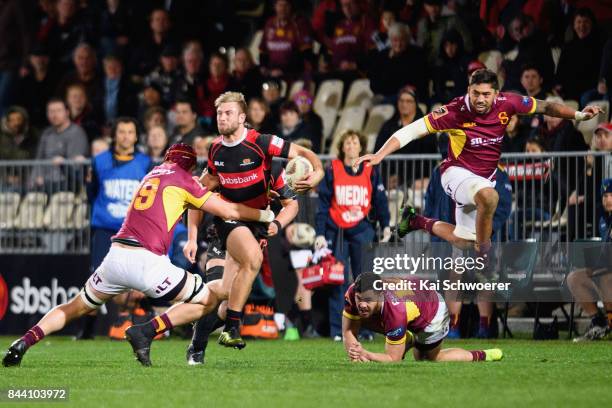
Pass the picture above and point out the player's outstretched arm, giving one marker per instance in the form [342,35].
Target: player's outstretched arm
[233,211]
[559,110]
[314,178]
[399,139]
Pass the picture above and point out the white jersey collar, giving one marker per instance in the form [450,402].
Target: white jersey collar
[235,143]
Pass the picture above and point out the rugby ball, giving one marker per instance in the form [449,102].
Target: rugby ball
[296,169]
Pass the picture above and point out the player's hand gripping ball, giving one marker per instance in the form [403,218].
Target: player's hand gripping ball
[297,169]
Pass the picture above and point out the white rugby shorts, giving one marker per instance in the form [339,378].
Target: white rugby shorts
[123,269]
[462,185]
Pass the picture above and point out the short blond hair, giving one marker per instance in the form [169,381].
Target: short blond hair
[232,97]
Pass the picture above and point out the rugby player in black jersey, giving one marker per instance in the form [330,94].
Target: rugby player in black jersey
[239,164]
[286,208]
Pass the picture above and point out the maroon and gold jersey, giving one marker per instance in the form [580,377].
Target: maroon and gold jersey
[243,167]
[351,40]
[401,311]
[283,40]
[161,199]
[475,140]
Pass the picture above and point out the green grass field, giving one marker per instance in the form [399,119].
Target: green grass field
[102,373]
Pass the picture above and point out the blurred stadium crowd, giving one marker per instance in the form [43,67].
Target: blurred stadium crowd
[311,70]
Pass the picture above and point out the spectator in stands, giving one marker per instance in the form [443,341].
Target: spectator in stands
[149,98]
[69,27]
[246,77]
[584,210]
[155,116]
[291,126]
[400,65]
[190,82]
[432,26]
[37,87]
[517,133]
[579,64]
[157,143]
[187,127]
[532,48]
[63,139]
[120,94]
[381,36]
[271,91]
[348,38]
[113,181]
[84,59]
[14,48]
[593,283]
[81,111]
[114,27]
[146,54]
[218,81]
[440,206]
[342,219]
[17,140]
[521,127]
[451,70]
[532,81]
[258,116]
[286,44]
[99,145]
[407,112]
[534,192]
[303,99]
[164,76]
[201,145]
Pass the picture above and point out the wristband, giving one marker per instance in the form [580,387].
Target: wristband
[266,216]
[579,116]
[278,224]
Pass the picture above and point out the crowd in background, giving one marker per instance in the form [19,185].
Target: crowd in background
[164,63]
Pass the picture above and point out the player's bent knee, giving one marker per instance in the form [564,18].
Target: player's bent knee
[487,197]
[195,290]
[89,298]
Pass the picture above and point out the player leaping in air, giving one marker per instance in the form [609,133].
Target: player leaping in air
[408,319]
[476,125]
[137,258]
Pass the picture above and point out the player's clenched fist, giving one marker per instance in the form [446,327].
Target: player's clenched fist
[190,249]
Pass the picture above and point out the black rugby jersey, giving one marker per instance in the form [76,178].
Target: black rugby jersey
[243,167]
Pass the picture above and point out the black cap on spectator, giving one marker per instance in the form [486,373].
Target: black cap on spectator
[433,2]
[40,50]
[171,50]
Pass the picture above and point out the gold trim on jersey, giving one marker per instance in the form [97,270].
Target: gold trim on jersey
[400,341]
[533,108]
[457,137]
[350,316]
[176,200]
[412,311]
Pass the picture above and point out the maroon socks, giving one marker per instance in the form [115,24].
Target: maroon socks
[33,336]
